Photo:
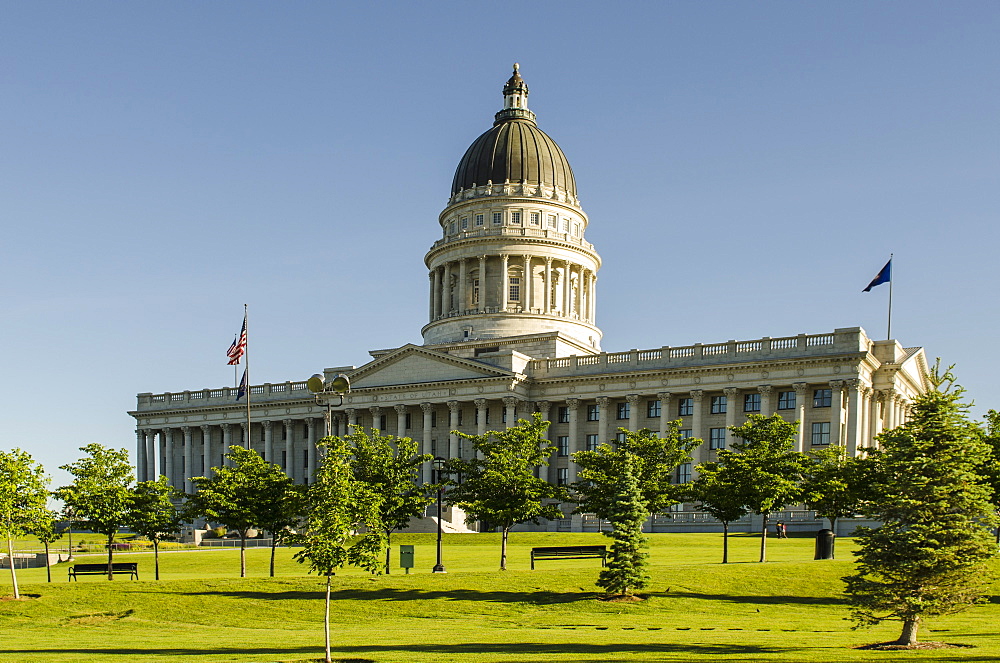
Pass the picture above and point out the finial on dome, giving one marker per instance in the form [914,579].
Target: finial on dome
[515,94]
[516,67]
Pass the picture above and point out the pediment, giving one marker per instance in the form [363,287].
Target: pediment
[413,364]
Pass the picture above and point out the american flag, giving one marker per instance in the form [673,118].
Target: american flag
[239,346]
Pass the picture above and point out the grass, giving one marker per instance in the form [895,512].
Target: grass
[786,610]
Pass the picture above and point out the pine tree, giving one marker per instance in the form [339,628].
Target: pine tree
[626,569]
[930,555]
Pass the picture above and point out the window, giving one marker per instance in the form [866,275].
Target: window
[465,223]
[786,400]
[515,289]
[751,403]
[652,409]
[536,218]
[685,407]
[821,433]
[565,225]
[434,419]
[515,218]
[503,415]
[716,438]
[407,425]
[552,220]
[822,398]
[576,229]
[381,422]
[623,410]
[593,412]
[563,417]
[620,436]
[460,412]
[497,218]
[475,291]
[562,476]
[451,228]
[479,219]
[592,443]
[718,405]
[562,444]
[685,433]
[684,473]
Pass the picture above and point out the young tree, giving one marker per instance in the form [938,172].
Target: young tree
[833,484]
[626,570]
[100,494]
[341,524]
[718,496]
[154,515]
[500,487]
[391,467]
[281,507]
[763,468]
[23,497]
[45,531]
[234,496]
[990,469]
[655,460]
[930,555]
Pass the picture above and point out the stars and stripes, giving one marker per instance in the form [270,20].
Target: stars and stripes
[239,346]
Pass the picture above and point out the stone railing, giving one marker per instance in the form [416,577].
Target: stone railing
[225,396]
[508,231]
[847,340]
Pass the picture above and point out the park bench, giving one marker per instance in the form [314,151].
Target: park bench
[569,552]
[131,568]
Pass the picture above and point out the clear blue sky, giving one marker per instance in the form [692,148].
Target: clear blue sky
[747,169]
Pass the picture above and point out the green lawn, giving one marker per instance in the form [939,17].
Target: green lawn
[785,610]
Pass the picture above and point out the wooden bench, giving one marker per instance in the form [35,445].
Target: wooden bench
[131,568]
[569,552]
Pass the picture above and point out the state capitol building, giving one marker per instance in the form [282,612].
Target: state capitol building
[512,330]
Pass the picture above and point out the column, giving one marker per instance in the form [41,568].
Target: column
[245,442]
[573,406]
[526,294]
[801,394]
[732,407]
[376,417]
[565,288]
[167,441]
[352,419]
[188,456]
[548,286]
[482,284]
[400,420]
[698,415]
[593,299]
[289,464]
[436,301]
[150,455]
[666,405]
[510,410]
[430,299]
[766,408]
[268,441]
[140,454]
[602,419]
[874,416]
[504,290]
[227,441]
[446,290]
[425,444]
[206,450]
[837,411]
[453,409]
[335,424]
[311,446]
[633,411]
[853,416]
[463,301]
[481,405]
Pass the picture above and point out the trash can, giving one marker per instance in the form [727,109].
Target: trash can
[825,538]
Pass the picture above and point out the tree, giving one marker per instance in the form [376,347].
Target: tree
[100,494]
[655,459]
[45,531]
[341,523]
[500,486]
[280,508]
[391,467]
[23,500]
[833,484]
[235,496]
[717,495]
[626,570]
[990,469]
[763,469]
[930,555]
[154,515]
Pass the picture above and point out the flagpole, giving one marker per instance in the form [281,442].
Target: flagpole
[888,329]
[246,438]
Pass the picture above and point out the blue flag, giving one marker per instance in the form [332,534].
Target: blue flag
[884,276]
[243,386]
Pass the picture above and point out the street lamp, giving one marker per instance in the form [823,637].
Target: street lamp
[324,391]
[439,471]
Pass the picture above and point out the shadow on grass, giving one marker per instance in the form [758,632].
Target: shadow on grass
[389,594]
[759,600]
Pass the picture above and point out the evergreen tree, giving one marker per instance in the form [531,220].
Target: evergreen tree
[990,469]
[626,569]
[22,500]
[930,555]
[718,496]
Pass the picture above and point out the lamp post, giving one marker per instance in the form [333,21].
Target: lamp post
[324,391]
[439,470]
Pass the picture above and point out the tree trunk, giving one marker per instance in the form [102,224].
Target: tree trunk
[326,622]
[243,554]
[274,545]
[388,550]
[725,541]
[763,539]
[998,535]
[833,545]
[13,572]
[909,635]
[156,557]
[111,541]
[48,567]
[503,548]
